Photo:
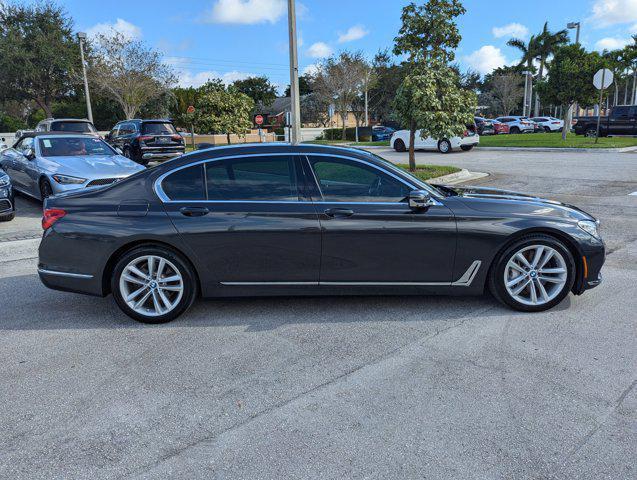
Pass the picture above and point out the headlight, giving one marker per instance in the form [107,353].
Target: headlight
[589,227]
[66,180]
[5,181]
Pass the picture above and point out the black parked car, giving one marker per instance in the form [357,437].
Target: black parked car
[146,140]
[484,126]
[7,200]
[269,219]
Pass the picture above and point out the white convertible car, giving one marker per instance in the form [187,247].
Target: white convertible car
[400,142]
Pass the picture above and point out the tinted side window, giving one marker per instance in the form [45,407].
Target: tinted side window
[620,111]
[343,180]
[256,178]
[185,184]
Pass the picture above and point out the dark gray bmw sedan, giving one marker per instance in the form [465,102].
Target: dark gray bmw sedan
[276,219]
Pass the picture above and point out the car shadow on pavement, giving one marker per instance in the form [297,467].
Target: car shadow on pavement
[44,309]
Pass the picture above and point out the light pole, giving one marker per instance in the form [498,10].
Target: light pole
[82,37]
[295,104]
[526,95]
[571,26]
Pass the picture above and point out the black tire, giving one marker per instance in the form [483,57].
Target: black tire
[547,130]
[444,146]
[514,130]
[184,268]
[7,218]
[591,132]
[399,146]
[496,273]
[45,189]
[466,148]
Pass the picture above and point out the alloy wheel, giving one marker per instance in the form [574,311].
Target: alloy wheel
[535,275]
[151,285]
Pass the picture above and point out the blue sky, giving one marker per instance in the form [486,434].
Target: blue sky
[232,39]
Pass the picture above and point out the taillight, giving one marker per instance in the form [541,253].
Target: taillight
[176,138]
[51,215]
[466,133]
[145,138]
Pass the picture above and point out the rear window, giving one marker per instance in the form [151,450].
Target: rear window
[158,128]
[77,127]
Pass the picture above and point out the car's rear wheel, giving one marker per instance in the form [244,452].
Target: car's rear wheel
[45,189]
[444,146]
[466,148]
[591,132]
[7,218]
[399,146]
[547,129]
[533,274]
[514,130]
[153,284]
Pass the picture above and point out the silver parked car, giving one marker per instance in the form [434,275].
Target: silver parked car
[517,124]
[45,164]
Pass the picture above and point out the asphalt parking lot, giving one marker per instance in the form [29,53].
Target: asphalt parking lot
[373,387]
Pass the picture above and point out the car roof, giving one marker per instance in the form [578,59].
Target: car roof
[150,120]
[82,120]
[57,134]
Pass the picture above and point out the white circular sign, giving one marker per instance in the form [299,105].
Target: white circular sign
[607,76]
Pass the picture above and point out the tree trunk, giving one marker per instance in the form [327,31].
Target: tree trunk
[567,120]
[343,119]
[537,95]
[44,105]
[228,137]
[412,142]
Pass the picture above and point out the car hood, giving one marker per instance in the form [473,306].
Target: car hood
[91,166]
[497,201]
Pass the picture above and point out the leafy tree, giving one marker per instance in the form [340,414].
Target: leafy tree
[571,80]
[315,109]
[127,71]
[547,43]
[389,76]
[259,89]
[219,110]
[305,85]
[39,58]
[507,91]
[430,97]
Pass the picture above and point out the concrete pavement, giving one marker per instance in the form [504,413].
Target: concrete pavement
[374,387]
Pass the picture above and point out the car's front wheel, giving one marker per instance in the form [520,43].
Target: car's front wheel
[399,146]
[153,284]
[444,146]
[533,274]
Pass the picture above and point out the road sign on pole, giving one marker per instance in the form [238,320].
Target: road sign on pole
[258,119]
[602,80]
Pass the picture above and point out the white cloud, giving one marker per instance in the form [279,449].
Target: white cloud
[510,30]
[246,11]
[353,33]
[610,43]
[319,50]
[311,69]
[486,59]
[127,29]
[612,12]
[190,79]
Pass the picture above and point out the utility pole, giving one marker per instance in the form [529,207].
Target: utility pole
[570,26]
[81,37]
[295,102]
[526,87]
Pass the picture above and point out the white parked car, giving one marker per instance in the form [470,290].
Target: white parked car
[400,142]
[549,124]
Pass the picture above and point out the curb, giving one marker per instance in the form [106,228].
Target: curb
[463,175]
[557,149]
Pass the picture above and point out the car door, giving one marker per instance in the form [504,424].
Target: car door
[246,220]
[619,121]
[369,233]
[20,164]
[424,143]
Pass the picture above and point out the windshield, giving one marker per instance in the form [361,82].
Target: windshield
[158,128]
[79,127]
[74,146]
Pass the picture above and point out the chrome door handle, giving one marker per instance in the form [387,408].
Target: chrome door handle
[194,211]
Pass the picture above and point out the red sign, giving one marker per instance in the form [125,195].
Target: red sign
[258,119]
[190,109]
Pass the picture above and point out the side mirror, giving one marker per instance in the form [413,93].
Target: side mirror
[420,199]
[29,154]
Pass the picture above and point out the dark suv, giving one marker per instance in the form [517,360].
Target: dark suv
[72,125]
[145,140]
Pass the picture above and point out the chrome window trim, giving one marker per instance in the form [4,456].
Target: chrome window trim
[64,274]
[164,198]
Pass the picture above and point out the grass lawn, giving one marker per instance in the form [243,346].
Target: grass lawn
[554,140]
[426,172]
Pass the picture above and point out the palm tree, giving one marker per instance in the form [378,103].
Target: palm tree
[547,43]
[529,53]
